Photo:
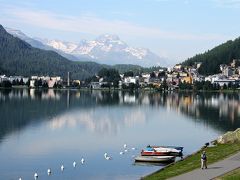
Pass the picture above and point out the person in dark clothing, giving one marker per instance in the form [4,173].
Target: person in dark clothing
[203,160]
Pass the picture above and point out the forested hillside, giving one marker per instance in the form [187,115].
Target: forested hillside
[19,58]
[222,54]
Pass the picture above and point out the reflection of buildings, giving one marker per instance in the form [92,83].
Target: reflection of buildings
[221,111]
[209,107]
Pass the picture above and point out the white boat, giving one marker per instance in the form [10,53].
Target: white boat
[162,151]
[155,159]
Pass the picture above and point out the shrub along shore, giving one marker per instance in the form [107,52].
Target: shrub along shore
[225,146]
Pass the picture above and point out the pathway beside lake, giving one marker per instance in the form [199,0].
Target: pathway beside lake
[214,170]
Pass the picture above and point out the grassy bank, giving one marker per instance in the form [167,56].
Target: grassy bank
[192,162]
[233,175]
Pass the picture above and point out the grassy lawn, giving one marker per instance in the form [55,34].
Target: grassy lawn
[192,162]
[233,175]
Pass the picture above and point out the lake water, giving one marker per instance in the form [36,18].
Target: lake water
[45,129]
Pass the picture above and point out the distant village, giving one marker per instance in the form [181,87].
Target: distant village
[176,77]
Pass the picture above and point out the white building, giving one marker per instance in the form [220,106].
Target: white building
[3,78]
[32,82]
[128,80]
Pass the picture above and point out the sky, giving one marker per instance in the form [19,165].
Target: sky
[174,29]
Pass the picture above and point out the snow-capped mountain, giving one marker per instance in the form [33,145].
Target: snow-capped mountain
[106,49]
[35,42]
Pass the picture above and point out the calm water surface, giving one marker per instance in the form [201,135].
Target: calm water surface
[44,129]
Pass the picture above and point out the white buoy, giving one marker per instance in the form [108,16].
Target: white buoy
[133,148]
[125,146]
[108,158]
[126,150]
[82,160]
[121,153]
[74,164]
[49,171]
[62,168]
[35,175]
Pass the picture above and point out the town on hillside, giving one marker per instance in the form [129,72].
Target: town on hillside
[166,79]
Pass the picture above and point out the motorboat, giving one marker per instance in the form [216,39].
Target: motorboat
[162,151]
[155,159]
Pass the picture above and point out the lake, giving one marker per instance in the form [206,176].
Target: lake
[45,129]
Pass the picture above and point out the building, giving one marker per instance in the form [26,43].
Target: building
[227,71]
[187,79]
[32,83]
[128,80]
[221,82]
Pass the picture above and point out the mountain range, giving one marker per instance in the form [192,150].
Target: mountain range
[18,57]
[105,49]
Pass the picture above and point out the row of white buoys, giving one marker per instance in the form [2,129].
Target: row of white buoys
[49,171]
[106,156]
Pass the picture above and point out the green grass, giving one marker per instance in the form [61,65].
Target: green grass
[192,162]
[233,175]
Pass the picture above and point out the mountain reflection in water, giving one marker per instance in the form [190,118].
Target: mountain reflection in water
[221,111]
[44,128]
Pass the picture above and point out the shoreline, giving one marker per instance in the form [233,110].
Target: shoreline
[127,90]
[222,143]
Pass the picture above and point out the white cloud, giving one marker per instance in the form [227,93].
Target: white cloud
[91,24]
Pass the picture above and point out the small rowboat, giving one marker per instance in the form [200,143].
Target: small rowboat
[155,159]
[162,151]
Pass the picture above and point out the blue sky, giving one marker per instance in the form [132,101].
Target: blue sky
[176,29]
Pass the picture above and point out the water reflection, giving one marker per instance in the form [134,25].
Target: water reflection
[63,108]
[41,129]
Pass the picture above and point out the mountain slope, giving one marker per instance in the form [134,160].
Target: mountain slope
[38,44]
[19,58]
[222,54]
[107,49]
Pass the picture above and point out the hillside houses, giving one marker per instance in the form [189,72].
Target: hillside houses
[171,78]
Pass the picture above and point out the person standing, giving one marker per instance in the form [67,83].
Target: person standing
[203,160]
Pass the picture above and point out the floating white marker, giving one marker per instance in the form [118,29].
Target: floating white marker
[82,160]
[35,175]
[49,171]
[108,158]
[126,150]
[125,146]
[133,148]
[74,164]
[62,168]
[121,153]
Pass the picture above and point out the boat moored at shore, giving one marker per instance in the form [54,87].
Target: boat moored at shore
[155,159]
[162,151]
